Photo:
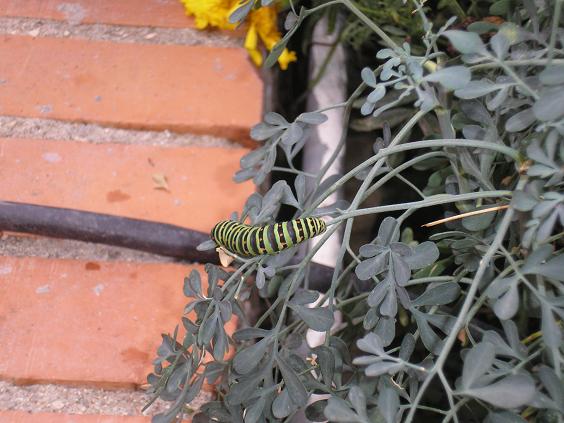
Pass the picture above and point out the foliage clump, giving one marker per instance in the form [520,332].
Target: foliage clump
[464,326]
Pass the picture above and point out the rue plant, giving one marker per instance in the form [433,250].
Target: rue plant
[465,326]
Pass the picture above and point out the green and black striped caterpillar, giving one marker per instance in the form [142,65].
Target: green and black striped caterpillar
[250,241]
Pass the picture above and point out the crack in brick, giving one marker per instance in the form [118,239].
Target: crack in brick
[74,400]
[116,33]
[50,129]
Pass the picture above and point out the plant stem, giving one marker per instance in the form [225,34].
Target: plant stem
[333,106]
[432,409]
[517,79]
[366,20]
[296,277]
[352,300]
[346,117]
[514,266]
[438,279]
[444,143]
[553,238]
[462,315]
[359,198]
[389,175]
[554,30]
[482,299]
[428,202]
[410,184]
[454,410]
[294,171]
[527,62]
[323,6]
[449,394]
[234,292]
[239,271]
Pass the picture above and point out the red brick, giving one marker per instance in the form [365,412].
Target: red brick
[118,179]
[159,13]
[199,89]
[23,417]
[63,323]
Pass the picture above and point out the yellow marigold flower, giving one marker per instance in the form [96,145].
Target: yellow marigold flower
[286,58]
[251,44]
[210,13]
[262,25]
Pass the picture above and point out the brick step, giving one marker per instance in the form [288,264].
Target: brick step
[198,89]
[121,179]
[86,323]
[23,417]
[159,13]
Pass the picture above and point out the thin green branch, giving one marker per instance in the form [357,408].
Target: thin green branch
[527,62]
[389,175]
[454,410]
[237,272]
[296,277]
[393,149]
[554,29]
[482,299]
[323,6]
[370,24]
[431,279]
[448,391]
[517,79]
[428,202]
[426,408]
[461,320]
[346,118]
[294,171]
[410,184]
[359,198]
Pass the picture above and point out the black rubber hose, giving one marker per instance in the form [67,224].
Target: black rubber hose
[144,235]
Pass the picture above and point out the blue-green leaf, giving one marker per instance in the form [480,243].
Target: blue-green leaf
[368,77]
[338,410]
[282,406]
[249,358]
[476,363]
[520,121]
[423,255]
[319,318]
[442,294]
[452,78]
[296,389]
[523,201]
[388,403]
[550,105]
[465,42]
[510,392]
[552,75]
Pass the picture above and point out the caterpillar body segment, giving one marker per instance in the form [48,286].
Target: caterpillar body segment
[250,241]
